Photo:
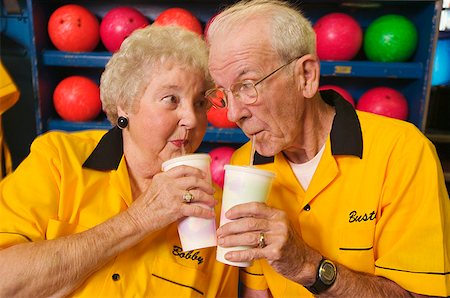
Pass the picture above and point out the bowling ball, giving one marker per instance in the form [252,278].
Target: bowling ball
[339,37]
[179,17]
[218,118]
[390,38]
[441,64]
[344,93]
[220,156]
[384,101]
[73,28]
[77,98]
[118,24]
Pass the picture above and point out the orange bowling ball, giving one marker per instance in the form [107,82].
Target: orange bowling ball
[77,98]
[218,118]
[73,28]
[179,17]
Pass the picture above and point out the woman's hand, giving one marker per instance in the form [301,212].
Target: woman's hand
[162,203]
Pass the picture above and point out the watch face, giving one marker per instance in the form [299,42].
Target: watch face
[327,272]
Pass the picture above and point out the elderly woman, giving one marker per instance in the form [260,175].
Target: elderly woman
[91,214]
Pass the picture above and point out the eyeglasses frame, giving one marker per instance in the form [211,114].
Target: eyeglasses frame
[254,86]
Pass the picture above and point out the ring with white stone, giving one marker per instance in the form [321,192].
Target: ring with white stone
[188,197]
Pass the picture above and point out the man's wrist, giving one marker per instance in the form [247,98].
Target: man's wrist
[326,274]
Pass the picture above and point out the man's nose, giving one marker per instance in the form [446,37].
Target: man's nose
[235,107]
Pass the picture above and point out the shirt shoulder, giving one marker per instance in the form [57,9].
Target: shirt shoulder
[80,143]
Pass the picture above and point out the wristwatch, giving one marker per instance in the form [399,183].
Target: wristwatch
[326,275]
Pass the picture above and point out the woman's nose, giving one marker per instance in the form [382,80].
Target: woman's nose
[188,117]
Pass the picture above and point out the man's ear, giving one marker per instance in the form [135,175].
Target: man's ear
[307,70]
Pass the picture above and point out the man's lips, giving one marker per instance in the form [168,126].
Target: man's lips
[179,143]
[253,133]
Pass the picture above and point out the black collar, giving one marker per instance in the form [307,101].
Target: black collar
[108,152]
[345,135]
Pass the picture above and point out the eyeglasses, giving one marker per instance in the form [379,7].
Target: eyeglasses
[245,91]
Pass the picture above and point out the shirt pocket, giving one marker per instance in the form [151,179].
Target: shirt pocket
[56,229]
[170,279]
[356,248]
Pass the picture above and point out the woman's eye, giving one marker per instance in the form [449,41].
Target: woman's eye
[171,99]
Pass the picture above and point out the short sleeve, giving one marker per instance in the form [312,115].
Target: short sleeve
[29,197]
[412,237]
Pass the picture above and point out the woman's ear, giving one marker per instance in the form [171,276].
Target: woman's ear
[120,111]
[307,70]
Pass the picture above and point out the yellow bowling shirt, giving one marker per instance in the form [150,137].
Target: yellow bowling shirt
[377,203]
[71,182]
[9,95]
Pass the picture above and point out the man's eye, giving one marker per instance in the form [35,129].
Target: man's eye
[246,86]
[170,99]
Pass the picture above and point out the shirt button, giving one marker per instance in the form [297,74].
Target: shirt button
[115,276]
[307,207]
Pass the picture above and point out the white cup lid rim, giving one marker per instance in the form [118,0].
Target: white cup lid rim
[250,170]
[183,157]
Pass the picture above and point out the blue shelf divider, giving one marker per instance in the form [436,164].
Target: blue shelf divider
[408,70]
[213,134]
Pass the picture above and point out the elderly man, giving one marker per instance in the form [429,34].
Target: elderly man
[359,205]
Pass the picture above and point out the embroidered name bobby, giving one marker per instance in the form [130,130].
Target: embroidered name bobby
[189,255]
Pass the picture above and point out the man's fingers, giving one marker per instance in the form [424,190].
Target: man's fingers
[242,225]
[246,239]
[250,254]
[252,209]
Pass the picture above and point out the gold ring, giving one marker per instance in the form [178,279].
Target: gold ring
[262,241]
[188,197]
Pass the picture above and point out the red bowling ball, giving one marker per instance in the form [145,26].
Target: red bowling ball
[384,101]
[339,37]
[220,157]
[344,93]
[218,118]
[73,28]
[205,32]
[77,98]
[179,17]
[118,24]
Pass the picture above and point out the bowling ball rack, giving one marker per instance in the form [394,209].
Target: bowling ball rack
[411,77]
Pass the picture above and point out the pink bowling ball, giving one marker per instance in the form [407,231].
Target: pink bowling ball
[344,93]
[118,24]
[339,37]
[384,101]
[220,156]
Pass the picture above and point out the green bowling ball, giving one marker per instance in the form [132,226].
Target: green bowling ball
[390,38]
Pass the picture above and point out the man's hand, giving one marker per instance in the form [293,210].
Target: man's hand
[285,250]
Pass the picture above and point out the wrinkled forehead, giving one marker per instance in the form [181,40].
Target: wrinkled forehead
[247,31]
[241,42]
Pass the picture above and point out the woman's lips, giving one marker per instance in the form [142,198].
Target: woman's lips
[179,143]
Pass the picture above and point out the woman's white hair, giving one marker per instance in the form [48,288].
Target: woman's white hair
[129,71]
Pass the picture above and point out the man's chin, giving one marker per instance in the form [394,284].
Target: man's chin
[266,151]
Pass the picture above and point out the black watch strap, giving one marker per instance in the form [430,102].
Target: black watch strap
[325,277]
